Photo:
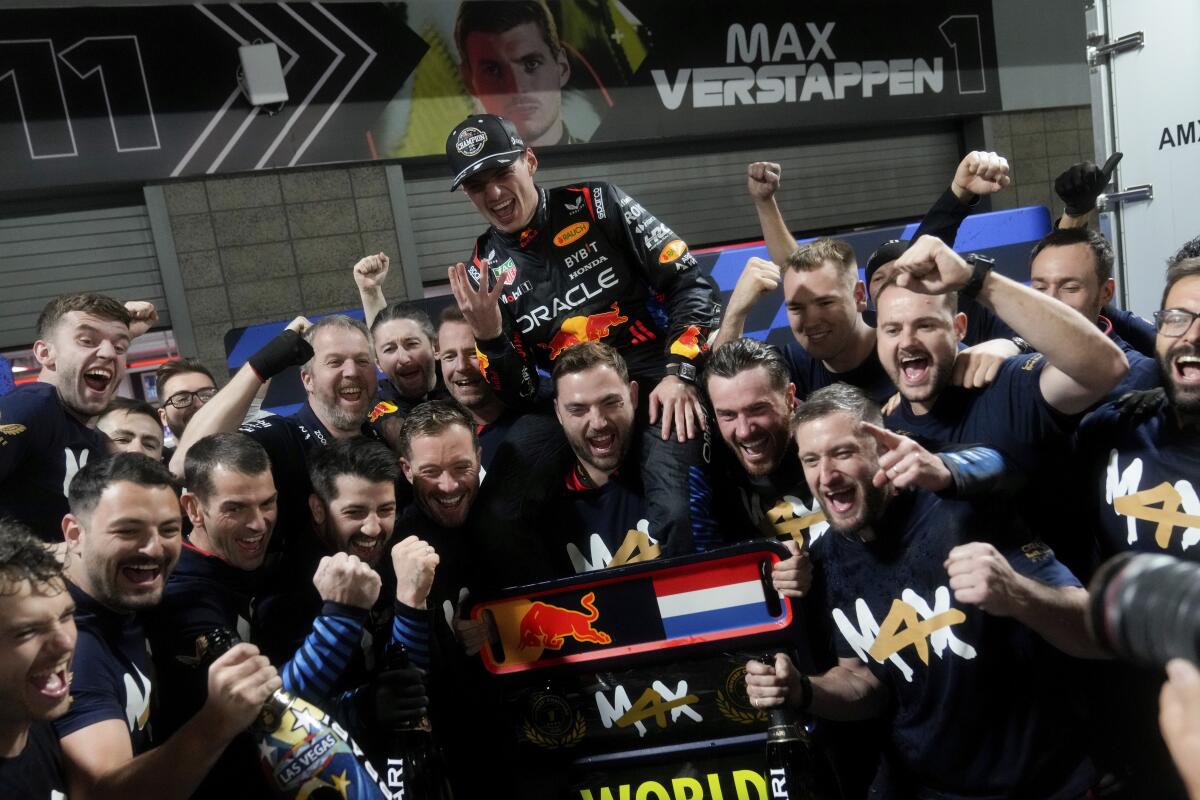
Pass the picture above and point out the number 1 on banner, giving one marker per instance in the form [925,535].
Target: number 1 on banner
[31,68]
[963,35]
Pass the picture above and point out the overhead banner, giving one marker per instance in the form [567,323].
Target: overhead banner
[129,94]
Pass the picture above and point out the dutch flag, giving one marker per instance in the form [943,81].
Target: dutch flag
[693,604]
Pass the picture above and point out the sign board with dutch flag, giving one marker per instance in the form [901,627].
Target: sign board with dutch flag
[720,597]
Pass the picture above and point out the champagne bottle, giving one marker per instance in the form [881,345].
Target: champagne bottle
[413,769]
[790,764]
[304,752]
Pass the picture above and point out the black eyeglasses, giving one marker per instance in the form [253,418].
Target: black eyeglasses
[185,399]
[1174,322]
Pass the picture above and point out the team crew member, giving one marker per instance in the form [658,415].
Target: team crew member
[458,359]
[37,640]
[585,263]
[1027,409]
[1079,186]
[979,173]
[123,540]
[1140,459]
[437,566]
[183,386]
[339,378]
[752,397]
[826,302]
[402,336]
[1074,266]
[943,611]
[1141,467]
[132,426]
[231,504]
[333,594]
[44,427]
[453,348]
[597,517]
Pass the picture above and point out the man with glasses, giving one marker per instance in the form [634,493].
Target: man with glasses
[1142,463]
[184,386]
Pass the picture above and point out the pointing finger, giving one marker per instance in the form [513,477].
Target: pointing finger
[883,436]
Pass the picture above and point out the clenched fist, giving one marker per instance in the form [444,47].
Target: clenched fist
[142,315]
[762,180]
[930,266]
[981,576]
[980,173]
[370,272]
[239,683]
[343,578]
[759,277]
[415,562]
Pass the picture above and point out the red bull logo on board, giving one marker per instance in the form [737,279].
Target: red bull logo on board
[549,626]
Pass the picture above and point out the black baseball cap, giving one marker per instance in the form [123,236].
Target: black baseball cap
[482,141]
[887,252]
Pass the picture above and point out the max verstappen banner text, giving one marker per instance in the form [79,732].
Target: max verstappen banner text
[130,94]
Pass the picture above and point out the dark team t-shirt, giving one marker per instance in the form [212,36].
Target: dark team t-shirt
[1010,414]
[810,374]
[110,677]
[288,441]
[977,708]
[1143,370]
[42,446]
[37,773]
[1136,331]
[1143,473]
[778,505]
[590,528]
[204,592]
[491,436]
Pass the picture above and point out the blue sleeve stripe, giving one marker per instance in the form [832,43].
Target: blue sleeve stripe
[328,639]
[340,626]
[409,624]
[299,678]
[414,635]
[330,660]
[323,656]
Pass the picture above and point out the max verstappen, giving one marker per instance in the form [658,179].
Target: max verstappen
[587,262]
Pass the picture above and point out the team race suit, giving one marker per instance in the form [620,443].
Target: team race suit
[594,265]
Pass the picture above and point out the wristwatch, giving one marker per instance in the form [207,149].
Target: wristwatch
[980,267]
[685,372]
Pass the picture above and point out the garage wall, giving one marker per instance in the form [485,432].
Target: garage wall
[108,250]
[266,247]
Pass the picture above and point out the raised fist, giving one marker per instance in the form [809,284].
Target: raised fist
[762,180]
[414,562]
[343,578]
[980,173]
[369,272]
[299,325]
[759,277]
[142,315]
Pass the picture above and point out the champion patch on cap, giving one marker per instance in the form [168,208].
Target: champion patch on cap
[470,142]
